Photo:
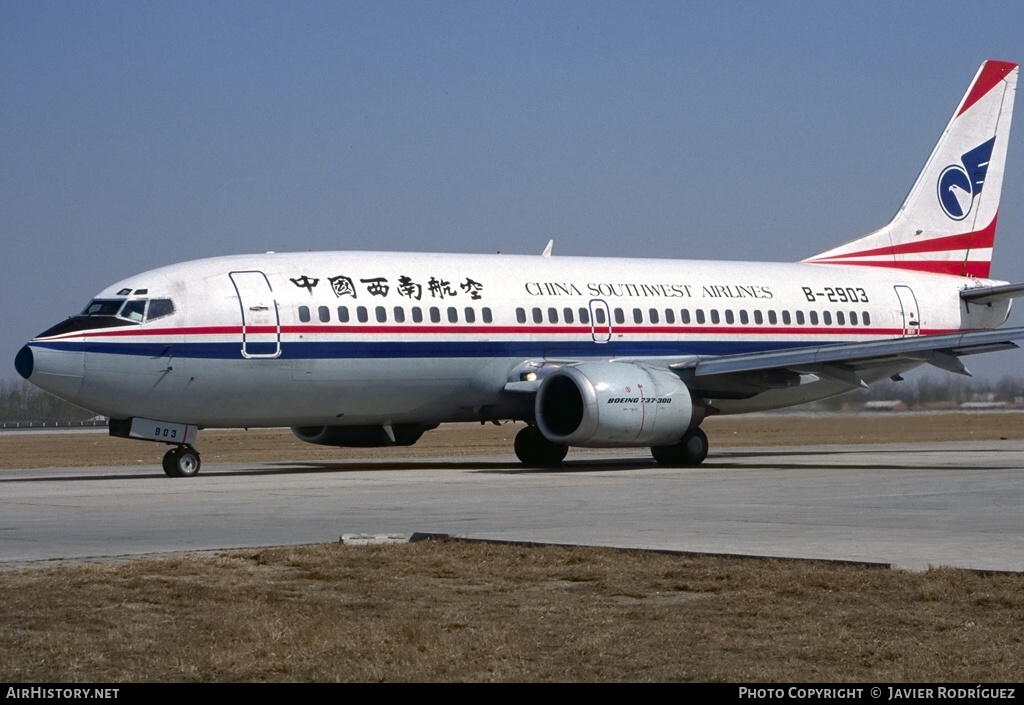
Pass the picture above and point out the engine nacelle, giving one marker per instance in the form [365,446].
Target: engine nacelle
[613,404]
[361,436]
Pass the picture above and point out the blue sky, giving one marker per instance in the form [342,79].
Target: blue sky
[137,134]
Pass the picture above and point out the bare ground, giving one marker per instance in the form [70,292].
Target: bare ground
[456,611]
[30,450]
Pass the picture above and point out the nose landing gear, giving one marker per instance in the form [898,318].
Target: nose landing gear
[182,461]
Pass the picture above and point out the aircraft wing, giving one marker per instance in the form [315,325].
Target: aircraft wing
[745,374]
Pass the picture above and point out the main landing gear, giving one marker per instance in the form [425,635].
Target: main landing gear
[536,451]
[181,461]
[691,450]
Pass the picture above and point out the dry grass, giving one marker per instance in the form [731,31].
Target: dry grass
[455,611]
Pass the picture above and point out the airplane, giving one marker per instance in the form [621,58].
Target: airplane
[374,348]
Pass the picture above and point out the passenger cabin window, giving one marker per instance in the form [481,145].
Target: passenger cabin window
[304,314]
[670,316]
[324,313]
[521,315]
[343,314]
[620,316]
[435,314]
[584,316]
[638,316]
[684,315]
[417,314]
[567,315]
[715,318]
[653,315]
[487,315]
[470,315]
[382,314]
[453,315]
[399,314]
[361,314]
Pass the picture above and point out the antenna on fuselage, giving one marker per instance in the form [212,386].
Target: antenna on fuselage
[547,250]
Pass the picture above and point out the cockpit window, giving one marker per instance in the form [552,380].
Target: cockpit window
[158,308]
[103,307]
[134,310]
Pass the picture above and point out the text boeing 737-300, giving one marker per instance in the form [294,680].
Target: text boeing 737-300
[374,348]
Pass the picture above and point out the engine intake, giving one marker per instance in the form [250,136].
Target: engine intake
[614,404]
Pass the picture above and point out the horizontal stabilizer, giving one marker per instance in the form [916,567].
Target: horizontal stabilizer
[991,294]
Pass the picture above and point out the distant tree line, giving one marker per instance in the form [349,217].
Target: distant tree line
[926,390]
[20,402]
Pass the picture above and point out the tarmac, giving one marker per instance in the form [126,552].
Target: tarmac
[907,505]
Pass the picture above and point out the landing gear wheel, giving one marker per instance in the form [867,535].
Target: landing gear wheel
[691,450]
[536,451]
[182,461]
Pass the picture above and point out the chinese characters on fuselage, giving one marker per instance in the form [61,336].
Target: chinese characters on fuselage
[381,287]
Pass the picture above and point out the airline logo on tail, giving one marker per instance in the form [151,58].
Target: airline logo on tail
[959,184]
[946,225]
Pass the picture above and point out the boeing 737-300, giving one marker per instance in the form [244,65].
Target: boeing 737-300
[374,348]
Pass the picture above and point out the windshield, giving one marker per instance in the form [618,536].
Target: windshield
[134,310]
[103,307]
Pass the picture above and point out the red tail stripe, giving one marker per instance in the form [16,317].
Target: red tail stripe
[958,268]
[986,237]
[991,74]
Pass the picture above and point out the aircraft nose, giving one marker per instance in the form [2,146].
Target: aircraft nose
[24,361]
[57,371]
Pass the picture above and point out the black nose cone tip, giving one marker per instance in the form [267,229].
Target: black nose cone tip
[23,362]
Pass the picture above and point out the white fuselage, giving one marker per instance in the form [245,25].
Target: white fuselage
[348,338]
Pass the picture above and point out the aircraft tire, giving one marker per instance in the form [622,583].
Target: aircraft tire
[181,462]
[536,451]
[691,450]
[170,464]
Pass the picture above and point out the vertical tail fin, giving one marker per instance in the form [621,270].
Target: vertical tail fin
[947,225]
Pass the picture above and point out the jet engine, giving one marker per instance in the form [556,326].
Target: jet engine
[361,436]
[610,404]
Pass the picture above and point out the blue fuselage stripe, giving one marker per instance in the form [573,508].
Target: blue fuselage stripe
[329,350]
